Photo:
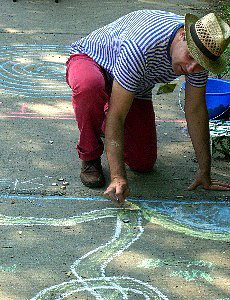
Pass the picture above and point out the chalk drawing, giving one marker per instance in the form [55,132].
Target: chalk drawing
[205,220]
[37,72]
[90,269]
[9,269]
[189,270]
[22,184]
[34,71]
[7,197]
[192,275]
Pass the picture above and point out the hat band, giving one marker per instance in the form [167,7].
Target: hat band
[200,45]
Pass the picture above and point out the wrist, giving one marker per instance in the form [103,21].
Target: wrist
[204,171]
[119,178]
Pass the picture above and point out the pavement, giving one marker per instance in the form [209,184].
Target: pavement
[61,240]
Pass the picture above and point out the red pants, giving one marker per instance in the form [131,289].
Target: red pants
[90,98]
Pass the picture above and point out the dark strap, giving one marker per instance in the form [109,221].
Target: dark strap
[200,45]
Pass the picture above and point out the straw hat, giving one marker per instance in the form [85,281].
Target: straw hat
[207,38]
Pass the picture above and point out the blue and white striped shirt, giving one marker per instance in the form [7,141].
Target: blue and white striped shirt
[134,50]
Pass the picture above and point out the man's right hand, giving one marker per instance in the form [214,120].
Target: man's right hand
[118,190]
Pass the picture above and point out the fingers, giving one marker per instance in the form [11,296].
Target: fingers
[115,197]
[117,193]
[111,195]
[220,183]
[215,185]
[218,188]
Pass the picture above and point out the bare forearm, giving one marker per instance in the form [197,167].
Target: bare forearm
[198,127]
[114,135]
[120,103]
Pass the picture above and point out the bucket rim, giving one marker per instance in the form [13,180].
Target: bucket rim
[214,94]
[219,80]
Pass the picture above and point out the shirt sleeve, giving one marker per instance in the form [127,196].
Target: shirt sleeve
[197,79]
[130,66]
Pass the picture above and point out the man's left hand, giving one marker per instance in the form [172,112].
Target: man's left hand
[209,184]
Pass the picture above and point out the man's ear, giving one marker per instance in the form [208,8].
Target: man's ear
[181,34]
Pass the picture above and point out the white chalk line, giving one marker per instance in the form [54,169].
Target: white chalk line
[71,221]
[101,283]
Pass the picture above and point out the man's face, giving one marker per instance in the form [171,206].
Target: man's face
[182,62]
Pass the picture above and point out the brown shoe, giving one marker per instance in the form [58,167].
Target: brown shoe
[91,173]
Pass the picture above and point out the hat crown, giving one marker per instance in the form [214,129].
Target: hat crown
[213,33]
[207,38]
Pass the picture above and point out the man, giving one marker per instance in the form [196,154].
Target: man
[117,66]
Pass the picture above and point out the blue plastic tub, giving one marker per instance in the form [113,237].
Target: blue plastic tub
[217,97]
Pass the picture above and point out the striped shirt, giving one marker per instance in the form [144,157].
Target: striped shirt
[135,50]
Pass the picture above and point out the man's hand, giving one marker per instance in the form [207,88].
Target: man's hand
[208,184]
[118,190]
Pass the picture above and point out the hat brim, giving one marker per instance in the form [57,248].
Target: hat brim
[217,66]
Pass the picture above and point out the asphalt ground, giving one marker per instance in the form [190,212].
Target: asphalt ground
[65,241]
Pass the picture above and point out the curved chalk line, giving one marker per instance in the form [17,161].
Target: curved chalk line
[94,263]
